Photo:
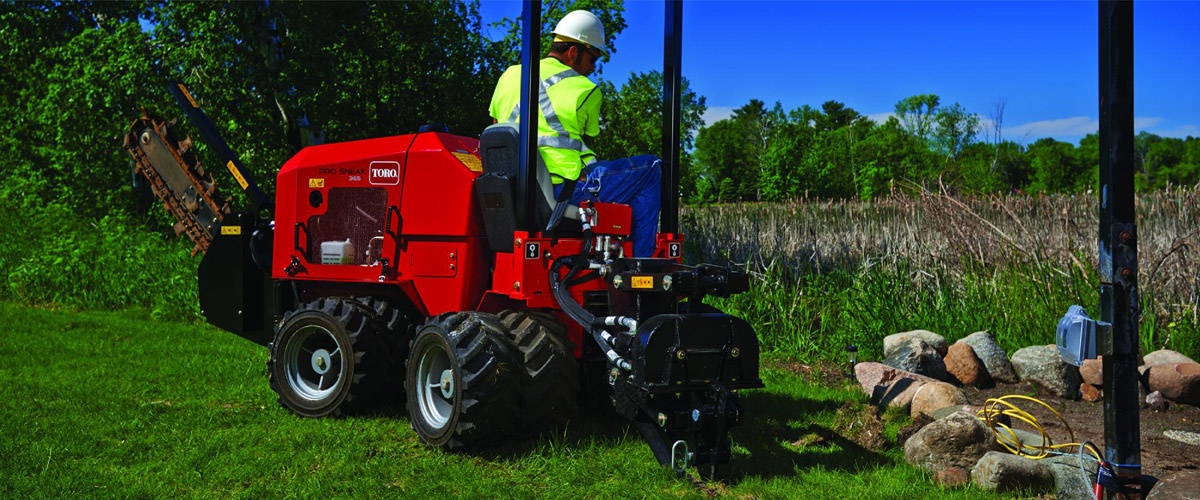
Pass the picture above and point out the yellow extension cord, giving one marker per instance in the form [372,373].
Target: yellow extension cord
[996,407]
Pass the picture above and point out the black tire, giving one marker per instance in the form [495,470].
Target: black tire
[395,337]
[462,381]
[550,378]
[336,335]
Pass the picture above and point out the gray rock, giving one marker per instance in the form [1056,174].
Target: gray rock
[934,396]
[1000,471]
[1162,357]
[993,357]
[1182,485]
[871,374]
[898,395]
[917,356]
[955,441]
[1069,483]
[896,340]
[1030,443]
[887,385]
[1155,401]
[1186,437]
[971,410]
[1043,366]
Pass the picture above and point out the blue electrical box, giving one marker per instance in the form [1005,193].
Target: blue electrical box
[1076,336]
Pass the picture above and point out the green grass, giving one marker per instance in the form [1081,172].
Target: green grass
[114,405]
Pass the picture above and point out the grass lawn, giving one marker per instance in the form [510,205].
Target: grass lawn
[113,405]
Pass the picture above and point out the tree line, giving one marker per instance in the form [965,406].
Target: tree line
[761,154]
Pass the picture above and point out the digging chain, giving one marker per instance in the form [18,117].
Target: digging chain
[176,178]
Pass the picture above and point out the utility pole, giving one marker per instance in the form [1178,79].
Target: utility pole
[1118,243]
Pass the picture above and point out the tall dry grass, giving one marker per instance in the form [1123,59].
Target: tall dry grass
[1050,240]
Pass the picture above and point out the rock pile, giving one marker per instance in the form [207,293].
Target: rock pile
[922,374]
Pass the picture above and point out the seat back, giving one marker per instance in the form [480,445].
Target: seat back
[499,147]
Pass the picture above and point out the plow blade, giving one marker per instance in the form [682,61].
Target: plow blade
[176,178]
[680,392]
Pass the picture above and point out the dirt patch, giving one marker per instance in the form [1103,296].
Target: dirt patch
[824,372]
[1160,454]
[860,423]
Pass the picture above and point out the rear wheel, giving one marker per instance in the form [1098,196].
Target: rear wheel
[396,335]
[462,381]
[550,378]
[319,359]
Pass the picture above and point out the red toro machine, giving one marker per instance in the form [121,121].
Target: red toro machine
[440,269]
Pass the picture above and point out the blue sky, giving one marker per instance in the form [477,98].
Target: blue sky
[1040,57]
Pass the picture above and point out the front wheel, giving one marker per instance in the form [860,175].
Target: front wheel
[462,383]
[319,359]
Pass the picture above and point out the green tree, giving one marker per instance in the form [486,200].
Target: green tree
[632,116]
[723,156]
[1055,167]
[1166,163]
[1012,166]
[74,75]
[610,12]
[917,114]
[956,129]
[782,177]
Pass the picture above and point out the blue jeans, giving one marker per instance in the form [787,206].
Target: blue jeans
[633,181]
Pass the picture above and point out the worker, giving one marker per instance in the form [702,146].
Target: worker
[570,117]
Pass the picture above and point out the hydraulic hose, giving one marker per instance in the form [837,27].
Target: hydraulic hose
[576,312]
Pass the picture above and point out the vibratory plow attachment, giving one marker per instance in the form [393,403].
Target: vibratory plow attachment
[176,178]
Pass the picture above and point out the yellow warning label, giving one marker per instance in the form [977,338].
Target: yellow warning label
[237,175]
[316,183]
[232,230]
[469,160]
[643,282]
[188,95]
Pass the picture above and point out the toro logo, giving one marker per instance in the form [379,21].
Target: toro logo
[385,173]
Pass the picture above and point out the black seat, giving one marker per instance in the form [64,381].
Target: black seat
[499,147]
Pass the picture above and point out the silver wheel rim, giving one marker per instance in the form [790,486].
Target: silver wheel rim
[313,363]
[435,386]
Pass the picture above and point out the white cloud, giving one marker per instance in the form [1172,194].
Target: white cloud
[880,118]
[715,114]
[1142,123]
[1070,127]
[1075,126]
[1180,131]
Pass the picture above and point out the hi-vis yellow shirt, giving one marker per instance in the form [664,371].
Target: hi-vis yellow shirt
[570,105]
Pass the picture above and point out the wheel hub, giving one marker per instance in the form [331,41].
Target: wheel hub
[321,361]
[447,384]
[313,363]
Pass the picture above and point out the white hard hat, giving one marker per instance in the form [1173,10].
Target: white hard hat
[582,26]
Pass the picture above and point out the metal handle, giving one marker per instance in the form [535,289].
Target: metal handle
[387,225]
[296,240]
